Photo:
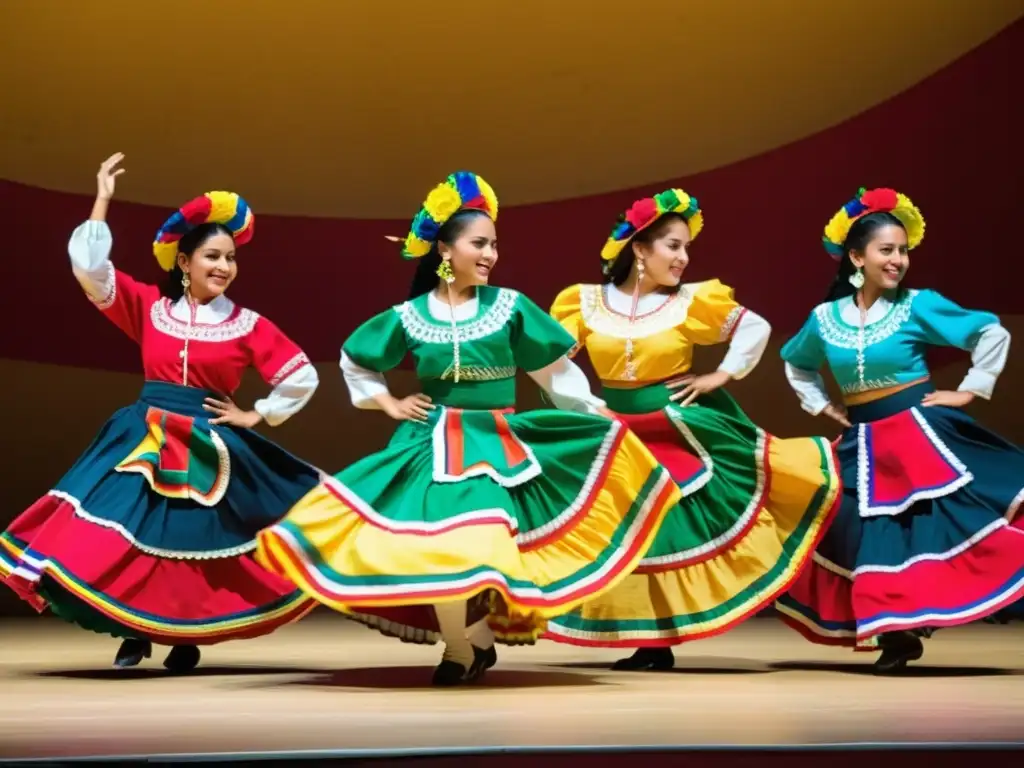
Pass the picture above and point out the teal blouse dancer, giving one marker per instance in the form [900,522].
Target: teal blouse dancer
[928,533]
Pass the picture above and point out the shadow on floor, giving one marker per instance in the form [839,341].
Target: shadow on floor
[155,672]
[911,670]
[391,678]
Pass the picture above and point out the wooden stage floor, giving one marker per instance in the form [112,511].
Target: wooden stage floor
[326,684]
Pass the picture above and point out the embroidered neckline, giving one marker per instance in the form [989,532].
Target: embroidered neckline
[838,333]
[241,323]
[600,318]
[420,326]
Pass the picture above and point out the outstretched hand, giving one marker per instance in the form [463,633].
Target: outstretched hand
[108,173]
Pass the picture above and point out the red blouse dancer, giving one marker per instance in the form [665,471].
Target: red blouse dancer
[149,536]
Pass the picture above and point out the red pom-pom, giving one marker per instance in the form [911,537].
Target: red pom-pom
[879,199]
[642,213]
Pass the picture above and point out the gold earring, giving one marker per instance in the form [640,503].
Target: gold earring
[444,271]
[640,266]
[185,280]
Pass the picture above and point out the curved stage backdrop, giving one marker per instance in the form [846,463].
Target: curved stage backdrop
[951,141]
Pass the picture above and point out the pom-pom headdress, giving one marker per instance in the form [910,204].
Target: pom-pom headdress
[873,201]
[460,191]
[225,208]
[645,212]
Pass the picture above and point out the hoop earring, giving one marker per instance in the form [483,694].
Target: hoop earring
[857,279]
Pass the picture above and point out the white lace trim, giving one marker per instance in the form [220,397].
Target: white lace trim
[289,368]
[170,554]
[864,468]
[845,337]
[109,289]
[731,321]
[600,319]
[496,317]
[239,327]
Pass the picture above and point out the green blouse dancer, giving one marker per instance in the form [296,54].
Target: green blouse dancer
[475,523]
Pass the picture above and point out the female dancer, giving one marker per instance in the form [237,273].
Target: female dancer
[754,505]
[149,536]
[928,533]
[495,519]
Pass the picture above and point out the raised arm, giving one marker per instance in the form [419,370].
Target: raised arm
[123,300]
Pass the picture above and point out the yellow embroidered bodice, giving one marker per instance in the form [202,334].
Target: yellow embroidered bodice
[662,340]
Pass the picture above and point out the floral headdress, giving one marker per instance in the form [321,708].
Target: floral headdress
[645,212]
[873,201]
[461,190]
[225,208]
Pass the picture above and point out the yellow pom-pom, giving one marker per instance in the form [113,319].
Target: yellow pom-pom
[415,247]
[223,206]
[839,227]
[442,203]
[166,254]
[695,224]
[492,199]
[912,220]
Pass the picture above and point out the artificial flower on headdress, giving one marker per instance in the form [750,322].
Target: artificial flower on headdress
[873,201]
[648,210]
[225,208]
[460,191]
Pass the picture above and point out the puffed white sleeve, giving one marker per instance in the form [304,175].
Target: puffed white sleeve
[89,249]
[747,345]
[567,386]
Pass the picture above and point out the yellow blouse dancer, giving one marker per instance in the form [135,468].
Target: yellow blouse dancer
[754,506]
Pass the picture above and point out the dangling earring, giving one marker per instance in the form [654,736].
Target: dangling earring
[444,271]
[857,279]
[185,281]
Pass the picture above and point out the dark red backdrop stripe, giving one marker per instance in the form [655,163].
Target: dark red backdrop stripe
[952,143]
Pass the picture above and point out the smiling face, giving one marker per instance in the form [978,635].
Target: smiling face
[662,250]
[473,252]
[211,267]
[884,258]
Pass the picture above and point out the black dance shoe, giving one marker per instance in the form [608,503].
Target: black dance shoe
[132,652]
[182,659]
[449,674]
[655,659]
[898,648]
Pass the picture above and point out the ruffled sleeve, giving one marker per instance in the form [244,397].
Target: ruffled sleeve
[537,338]
[566,310]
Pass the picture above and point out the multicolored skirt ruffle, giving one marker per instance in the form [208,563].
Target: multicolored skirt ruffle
[754,508]
[150,534]
[524,516]
[928,534]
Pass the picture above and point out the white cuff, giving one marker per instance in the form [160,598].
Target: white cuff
[749,340]
[289,397]
[567,386]
[363,384]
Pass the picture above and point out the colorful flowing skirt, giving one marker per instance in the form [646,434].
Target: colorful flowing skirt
[151,533]
[928,534]
[524,516]
[754,507]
